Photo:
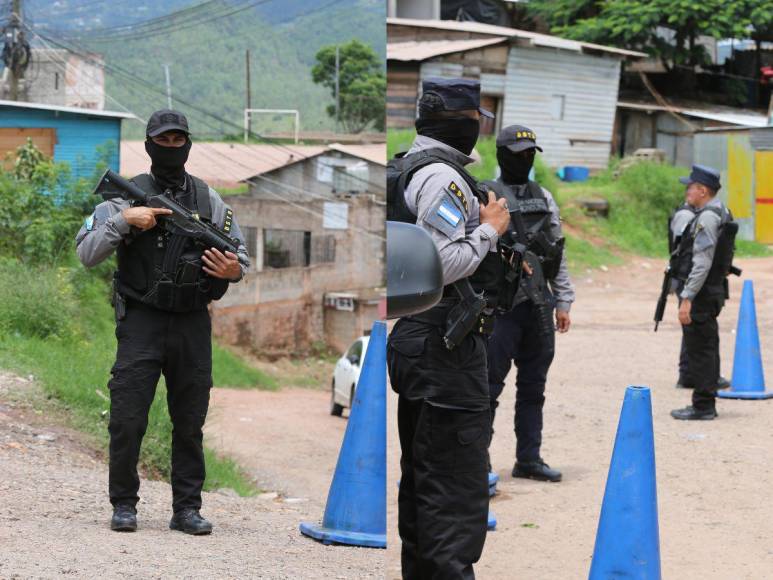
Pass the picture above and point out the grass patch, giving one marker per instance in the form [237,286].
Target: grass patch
[747,249]
[228,370]
[73,366]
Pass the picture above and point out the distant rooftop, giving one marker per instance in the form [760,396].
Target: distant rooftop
[60,109]
[729,115]
[222,164]
[533,38]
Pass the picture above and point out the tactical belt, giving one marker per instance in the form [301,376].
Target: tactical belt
[438,316]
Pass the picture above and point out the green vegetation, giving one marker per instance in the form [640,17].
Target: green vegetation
[640,202]
[56,321]
[360,83]
[207,63]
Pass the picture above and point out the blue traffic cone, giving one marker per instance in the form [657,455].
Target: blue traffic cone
[748,379]
[492,521]
[493,478]
[355,513]
[627,542]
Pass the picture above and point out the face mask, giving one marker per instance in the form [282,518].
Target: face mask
[461,133]
[168,163]
[515,166]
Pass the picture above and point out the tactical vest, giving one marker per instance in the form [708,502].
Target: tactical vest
[164,269]
[491,275]
[536,214]
[673,240]
[715,286]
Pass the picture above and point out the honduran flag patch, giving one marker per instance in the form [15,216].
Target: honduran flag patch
[449,213]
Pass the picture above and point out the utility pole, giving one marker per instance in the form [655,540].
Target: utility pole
[338,104]
[16,50]
[168,87]
[247,70]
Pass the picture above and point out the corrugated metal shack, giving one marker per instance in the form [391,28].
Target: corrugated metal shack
[744,156]
[672,128]
[77,136]
[564,90]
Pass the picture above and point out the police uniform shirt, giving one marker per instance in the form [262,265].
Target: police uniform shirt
[447,208]
[705,230]
[104,229]
[561,286]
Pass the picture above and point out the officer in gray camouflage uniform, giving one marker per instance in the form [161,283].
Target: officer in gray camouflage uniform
[162,287]
[443,409]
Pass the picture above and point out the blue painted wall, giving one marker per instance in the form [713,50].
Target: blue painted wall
[78,135]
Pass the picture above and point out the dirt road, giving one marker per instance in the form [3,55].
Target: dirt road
[714,478]
[54,517]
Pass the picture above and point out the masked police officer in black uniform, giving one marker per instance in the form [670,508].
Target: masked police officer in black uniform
[437,361]
[700,264]
[526,335]
[162,287]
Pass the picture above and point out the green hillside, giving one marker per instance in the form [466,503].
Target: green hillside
[207,61]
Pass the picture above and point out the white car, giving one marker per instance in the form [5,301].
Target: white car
[346,375]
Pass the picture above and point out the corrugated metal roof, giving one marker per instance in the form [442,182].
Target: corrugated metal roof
[536,39]
[222,164]
[418,51]
[744,119]
[75,110]
[375,152]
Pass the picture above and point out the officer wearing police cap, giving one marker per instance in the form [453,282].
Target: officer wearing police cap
[443,408]
[700,265]
[162,287]
[526,335]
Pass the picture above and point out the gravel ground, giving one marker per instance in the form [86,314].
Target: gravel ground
[714,478]
[54,515]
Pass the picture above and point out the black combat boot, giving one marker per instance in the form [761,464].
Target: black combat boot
[690,413]
[723,383]
[538,470]
[189,520]
[124,518]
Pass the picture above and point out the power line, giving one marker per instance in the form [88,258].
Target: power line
[150,86]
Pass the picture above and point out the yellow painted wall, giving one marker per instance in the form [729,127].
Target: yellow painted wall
[740,169]
[763,219]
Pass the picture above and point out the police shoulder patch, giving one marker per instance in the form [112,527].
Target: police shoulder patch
[89,223]
[445,216]
[458,194]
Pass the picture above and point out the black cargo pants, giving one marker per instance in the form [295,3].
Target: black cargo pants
[517,340]
[151,342]
[443,498]
[701,345]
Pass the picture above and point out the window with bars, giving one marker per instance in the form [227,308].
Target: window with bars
[294,248]
[323,249]
[286,248]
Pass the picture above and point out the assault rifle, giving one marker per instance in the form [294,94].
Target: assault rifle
[533,285]
[665,290]
[181,221]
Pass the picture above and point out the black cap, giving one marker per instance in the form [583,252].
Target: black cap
[708,176]
[451,95]
[517,138]
[166,120]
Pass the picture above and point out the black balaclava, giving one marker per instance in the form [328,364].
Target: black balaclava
[515,167]
[461,132]
[168,163]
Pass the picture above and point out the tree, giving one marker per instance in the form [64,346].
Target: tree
[639,24]
[361,84]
